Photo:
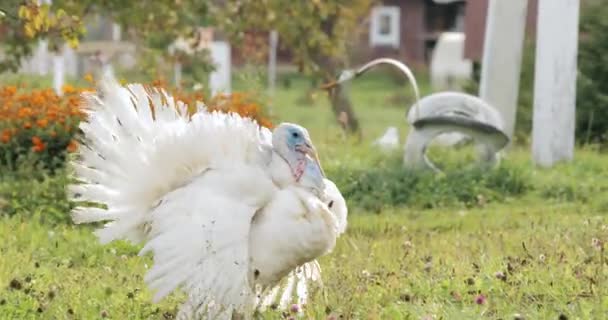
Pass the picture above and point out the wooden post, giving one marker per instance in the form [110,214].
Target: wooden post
[555,81]
[502,56]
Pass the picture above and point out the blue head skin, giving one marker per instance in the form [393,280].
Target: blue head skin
[293,143]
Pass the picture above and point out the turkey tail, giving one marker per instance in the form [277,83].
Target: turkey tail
[138,145]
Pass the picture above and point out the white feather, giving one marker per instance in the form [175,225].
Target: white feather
[207,197]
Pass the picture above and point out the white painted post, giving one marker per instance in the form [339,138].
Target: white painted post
[219,80]
[42,52]
[41,58]
[70,60]
[58,72]
[272,61]
[502,55]
[116,32]
[177,73]
[555,81]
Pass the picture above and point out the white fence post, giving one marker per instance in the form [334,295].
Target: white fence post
[177,73]
[116,32]
[555,81]
[58,72]
[219,80]
[272,61]
[502,56]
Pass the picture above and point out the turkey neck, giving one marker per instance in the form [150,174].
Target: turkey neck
[292,164]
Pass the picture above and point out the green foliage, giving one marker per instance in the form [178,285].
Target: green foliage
[24,23]
[154,26]
[538,260]
[379,187]
[38,124]
[315,31]
[31,191]
[592,95]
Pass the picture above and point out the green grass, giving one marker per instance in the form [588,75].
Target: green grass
[402,264]
[418,246]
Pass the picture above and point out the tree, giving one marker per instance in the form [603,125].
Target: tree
[317,33]
[23,24]
[151,25]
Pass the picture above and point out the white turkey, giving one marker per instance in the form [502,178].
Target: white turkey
[233,214]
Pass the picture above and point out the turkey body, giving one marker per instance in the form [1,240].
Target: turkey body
[225,216]
[293,228]
[288,229]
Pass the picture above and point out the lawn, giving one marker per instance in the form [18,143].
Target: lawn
[514,243]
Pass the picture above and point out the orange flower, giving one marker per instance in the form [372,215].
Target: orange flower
[68,89]
[36,140]
[88,78]
[42,123]
[24,112]
[38,99]
[9,90]
[6,136]
[38,147]
[57,117]
[72,146]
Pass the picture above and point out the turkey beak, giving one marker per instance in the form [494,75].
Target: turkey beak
[310,150]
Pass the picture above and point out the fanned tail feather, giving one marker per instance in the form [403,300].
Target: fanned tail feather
[139,144]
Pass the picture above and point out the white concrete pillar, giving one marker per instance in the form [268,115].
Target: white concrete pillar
[41,58]
[555,81]
[116,32]
[219,80]
[58,72]
[502,57]
[272,61]
[177,73]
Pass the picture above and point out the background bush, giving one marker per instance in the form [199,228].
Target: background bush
[388,185]
[592,99]
[37,121]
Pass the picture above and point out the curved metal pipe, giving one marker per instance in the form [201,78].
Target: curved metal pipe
[349,74]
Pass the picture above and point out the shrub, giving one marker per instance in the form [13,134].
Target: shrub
[38,124]
[37,121]
[390,185]
[592,95]
[32,192]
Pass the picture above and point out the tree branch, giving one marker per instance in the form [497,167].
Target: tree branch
[5,13]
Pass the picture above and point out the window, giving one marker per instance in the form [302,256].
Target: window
[385,26]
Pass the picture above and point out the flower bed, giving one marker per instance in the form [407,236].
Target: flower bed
[38,124]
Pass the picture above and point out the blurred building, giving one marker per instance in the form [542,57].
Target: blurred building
[408,29]
[403,29]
